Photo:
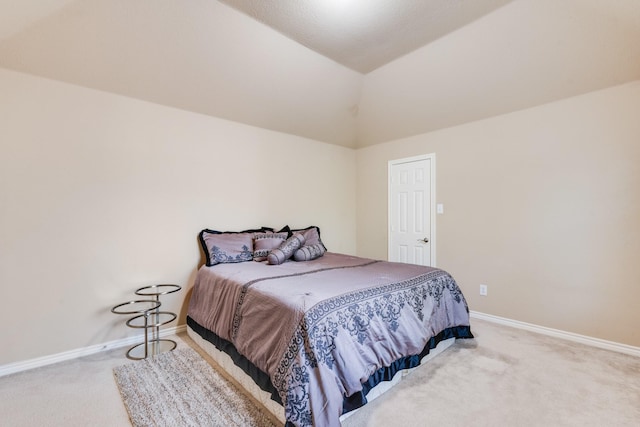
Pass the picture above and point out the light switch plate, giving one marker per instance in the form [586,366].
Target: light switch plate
[440,208]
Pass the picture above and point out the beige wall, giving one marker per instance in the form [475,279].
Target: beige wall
[101,194]
[542,205]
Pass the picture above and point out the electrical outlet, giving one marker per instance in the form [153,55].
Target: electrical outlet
[483,290]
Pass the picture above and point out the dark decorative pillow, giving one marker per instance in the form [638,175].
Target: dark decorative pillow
[227,246]
[286,249]
[309,252]
[263,243]
[286,229]
[311,235]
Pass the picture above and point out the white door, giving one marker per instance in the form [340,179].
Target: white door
[412,210]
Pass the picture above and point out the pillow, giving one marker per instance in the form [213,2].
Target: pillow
[263,243]
[309,252]
[311,234]
[227,246]
[286,229]
[285,250]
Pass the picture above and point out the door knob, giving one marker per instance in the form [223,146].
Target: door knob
[425,240]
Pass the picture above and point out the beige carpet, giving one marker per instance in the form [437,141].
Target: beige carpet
[505,377]
[510,377]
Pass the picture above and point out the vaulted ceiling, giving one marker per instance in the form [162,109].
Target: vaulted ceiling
[347,72]
[365,34]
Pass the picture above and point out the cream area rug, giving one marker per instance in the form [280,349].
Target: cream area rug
[179,388]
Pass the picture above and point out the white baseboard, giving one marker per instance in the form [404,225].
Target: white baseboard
[12,368]
[583,339]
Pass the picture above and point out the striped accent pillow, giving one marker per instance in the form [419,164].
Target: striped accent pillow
[309,252]
[286,249]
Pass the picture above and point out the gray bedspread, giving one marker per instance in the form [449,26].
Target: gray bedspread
[321,328]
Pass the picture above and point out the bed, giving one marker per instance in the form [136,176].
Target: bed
[318,333]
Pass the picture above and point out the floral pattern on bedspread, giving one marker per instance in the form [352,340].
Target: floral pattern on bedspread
[359,316]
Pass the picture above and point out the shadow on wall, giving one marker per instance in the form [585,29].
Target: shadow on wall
[188,287]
